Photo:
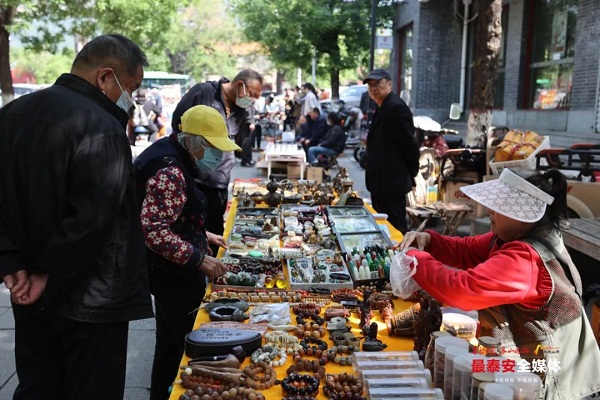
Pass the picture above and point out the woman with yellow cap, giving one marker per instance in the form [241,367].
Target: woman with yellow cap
[174,215]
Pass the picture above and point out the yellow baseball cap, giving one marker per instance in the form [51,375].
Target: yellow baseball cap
[207,122]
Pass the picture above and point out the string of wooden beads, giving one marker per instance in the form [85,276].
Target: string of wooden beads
[255,380]
[318,351]
[335,354]
[343,387]
[221,393]
[309,330]
[307,310]
[296,384]
[307,366]
[283,340]
[267,354]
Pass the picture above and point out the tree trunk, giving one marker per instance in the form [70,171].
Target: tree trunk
[334,76]
[7,14]
[485,67]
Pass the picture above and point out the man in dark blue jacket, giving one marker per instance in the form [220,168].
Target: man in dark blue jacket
[334,141]
[316,128]
[71,246]
[392,152]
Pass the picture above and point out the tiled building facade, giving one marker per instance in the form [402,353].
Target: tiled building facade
[549,76]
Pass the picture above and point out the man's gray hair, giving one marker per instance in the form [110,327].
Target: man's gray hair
[114,51]
[247,75]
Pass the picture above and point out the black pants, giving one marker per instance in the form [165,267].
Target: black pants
[257,136]
[58,358]
[395,208]
[217,205]
[177,293]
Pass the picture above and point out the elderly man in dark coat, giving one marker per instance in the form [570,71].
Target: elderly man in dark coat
[392,153]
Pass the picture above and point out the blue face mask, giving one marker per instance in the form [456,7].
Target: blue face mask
[212,158]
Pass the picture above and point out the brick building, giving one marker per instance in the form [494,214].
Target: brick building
[549,76]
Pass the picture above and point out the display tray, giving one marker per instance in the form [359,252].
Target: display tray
[351,224]
[303,274]
[249,273]
[348,211]
[349,241]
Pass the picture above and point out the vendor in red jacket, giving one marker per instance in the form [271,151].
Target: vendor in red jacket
[521,279]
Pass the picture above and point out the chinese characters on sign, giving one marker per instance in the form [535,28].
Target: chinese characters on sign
[497,365]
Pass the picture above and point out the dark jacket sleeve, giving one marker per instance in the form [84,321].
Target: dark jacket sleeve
[100,169]
[9,253]
[335,139]
[319,129]
[405,139]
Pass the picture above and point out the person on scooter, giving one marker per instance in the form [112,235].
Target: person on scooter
[392,153]
[334,141]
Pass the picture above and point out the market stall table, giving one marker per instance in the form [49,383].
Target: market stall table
[393,343]
[280,152]
[584,236]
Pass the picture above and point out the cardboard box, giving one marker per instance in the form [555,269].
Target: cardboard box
[294,170]
[452,193]
[314,174]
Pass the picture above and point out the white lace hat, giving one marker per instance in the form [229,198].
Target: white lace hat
[511,196]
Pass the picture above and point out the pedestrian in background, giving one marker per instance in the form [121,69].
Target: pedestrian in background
[231,99]
[71,246]
[392,152]
[173,220]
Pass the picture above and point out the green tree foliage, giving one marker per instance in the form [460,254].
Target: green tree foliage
[42,24]
[336,31]
[45,66]
[205,40]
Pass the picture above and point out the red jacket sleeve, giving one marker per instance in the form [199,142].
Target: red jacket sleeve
[512,274]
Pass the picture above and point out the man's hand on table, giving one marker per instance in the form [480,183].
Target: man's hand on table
[213,268]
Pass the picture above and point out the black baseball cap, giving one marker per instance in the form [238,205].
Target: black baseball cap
[378,74]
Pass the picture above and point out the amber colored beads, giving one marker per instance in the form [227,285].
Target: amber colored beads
[296,384]
[343,387]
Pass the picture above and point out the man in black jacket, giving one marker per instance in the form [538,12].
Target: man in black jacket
[231,99]
[392,153]
[334,141]
[71,246]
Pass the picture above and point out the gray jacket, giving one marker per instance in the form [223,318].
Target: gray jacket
[209,94]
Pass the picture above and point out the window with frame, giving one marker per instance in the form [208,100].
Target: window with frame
[551,67]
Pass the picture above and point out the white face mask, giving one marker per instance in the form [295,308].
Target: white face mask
[246,101]
[125,102]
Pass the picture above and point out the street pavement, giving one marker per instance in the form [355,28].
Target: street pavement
[142,333]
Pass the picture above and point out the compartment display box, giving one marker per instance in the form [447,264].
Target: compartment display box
[326,270]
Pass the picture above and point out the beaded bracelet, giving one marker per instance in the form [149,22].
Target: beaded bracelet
[218,393]
[320,344]
[253,380]
[300,384]
[343,386]
[310,352]
[315,317]
[267,354]
[335,354]
[307,366]
[283,340]
[309,330]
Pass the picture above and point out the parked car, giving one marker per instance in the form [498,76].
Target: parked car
[352,95]
[329,105]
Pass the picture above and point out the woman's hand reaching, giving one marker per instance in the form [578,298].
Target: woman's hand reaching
[212,267]
[419,240]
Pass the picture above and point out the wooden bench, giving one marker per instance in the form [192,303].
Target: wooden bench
[452,214]
[584,236]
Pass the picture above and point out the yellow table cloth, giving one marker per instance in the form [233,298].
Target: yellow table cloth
[393,343]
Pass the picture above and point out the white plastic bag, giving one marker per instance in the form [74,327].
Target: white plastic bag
[401,272]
